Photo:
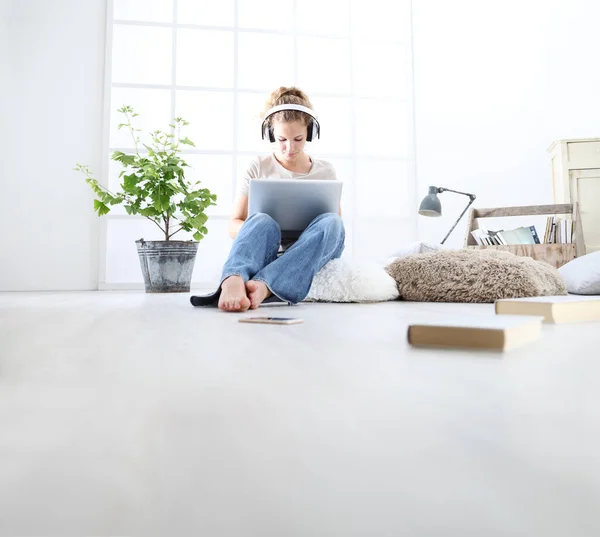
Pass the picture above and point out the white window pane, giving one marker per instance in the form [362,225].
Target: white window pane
[204,58]
[210,115]
[382,128]
[215,173]
[250,105]
[144,10]
[381,69]
[154,107]
[330,18]
[376,239]
[266,14]
[381,19]
[141,54]
[384,188]
[205,13]
[265,61]
[324,64]
[335,118]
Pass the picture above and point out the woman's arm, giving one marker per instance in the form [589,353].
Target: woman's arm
[238,215]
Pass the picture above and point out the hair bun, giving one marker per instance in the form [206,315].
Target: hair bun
[287,95]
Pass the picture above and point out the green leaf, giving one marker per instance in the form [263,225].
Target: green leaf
[199,220]
[119,156]
[100,208]
[198,236]
[149,211]
[130,182]
[187,141]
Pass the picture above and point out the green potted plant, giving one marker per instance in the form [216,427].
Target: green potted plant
[154,186]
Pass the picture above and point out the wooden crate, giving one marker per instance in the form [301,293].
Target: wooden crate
[555,254]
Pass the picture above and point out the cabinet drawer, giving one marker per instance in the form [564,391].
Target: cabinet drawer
[583,155]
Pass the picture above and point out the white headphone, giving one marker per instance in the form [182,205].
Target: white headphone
[313,127]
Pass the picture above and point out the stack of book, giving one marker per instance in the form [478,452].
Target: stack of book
[521,235]
[558,231]
[517,321]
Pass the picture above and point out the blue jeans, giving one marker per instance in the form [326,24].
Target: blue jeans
[253,255]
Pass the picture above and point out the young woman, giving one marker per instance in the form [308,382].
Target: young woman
[254,271]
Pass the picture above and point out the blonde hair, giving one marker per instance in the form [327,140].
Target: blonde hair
[291,95]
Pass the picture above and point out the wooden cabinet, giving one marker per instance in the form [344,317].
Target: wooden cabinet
[576,179]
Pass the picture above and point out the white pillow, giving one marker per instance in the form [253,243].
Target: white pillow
[344,281]
[582,275]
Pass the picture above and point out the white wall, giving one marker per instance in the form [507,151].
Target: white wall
[495,83]
[51,87]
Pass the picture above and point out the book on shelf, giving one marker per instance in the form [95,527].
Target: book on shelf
[558,230]
[495,332]
[534,234]
[554,309]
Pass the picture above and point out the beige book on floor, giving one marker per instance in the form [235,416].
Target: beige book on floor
[499,332]
[554,309]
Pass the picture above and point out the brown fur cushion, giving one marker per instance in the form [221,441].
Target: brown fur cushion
[473,276]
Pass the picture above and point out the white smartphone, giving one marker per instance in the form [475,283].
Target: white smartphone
[271,320]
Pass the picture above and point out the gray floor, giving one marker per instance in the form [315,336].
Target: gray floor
[128,414]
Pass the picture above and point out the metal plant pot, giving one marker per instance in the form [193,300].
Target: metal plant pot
[167,266]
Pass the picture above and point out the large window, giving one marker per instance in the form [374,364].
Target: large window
[214,64]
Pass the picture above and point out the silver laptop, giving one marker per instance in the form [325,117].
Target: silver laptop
[294,203]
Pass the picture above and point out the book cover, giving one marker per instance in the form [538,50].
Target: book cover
[547,232]
[524,235]
[554,309]
[552,239]
[475,233]
[534,234]
[510,236]
[496,332]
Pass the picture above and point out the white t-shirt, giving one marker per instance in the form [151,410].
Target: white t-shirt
[267,167]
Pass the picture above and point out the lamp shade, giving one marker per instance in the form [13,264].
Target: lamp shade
[431,206]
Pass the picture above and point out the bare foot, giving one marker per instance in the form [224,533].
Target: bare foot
[233,295]
[257,292]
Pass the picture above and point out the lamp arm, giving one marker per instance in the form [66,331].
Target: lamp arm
[472,196]
[442,189]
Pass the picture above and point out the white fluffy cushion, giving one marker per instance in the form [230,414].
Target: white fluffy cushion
[344,281]
[582,275]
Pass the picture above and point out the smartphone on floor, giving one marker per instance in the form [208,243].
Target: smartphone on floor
[272,320]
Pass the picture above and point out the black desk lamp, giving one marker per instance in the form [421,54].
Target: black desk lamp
[431,206]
